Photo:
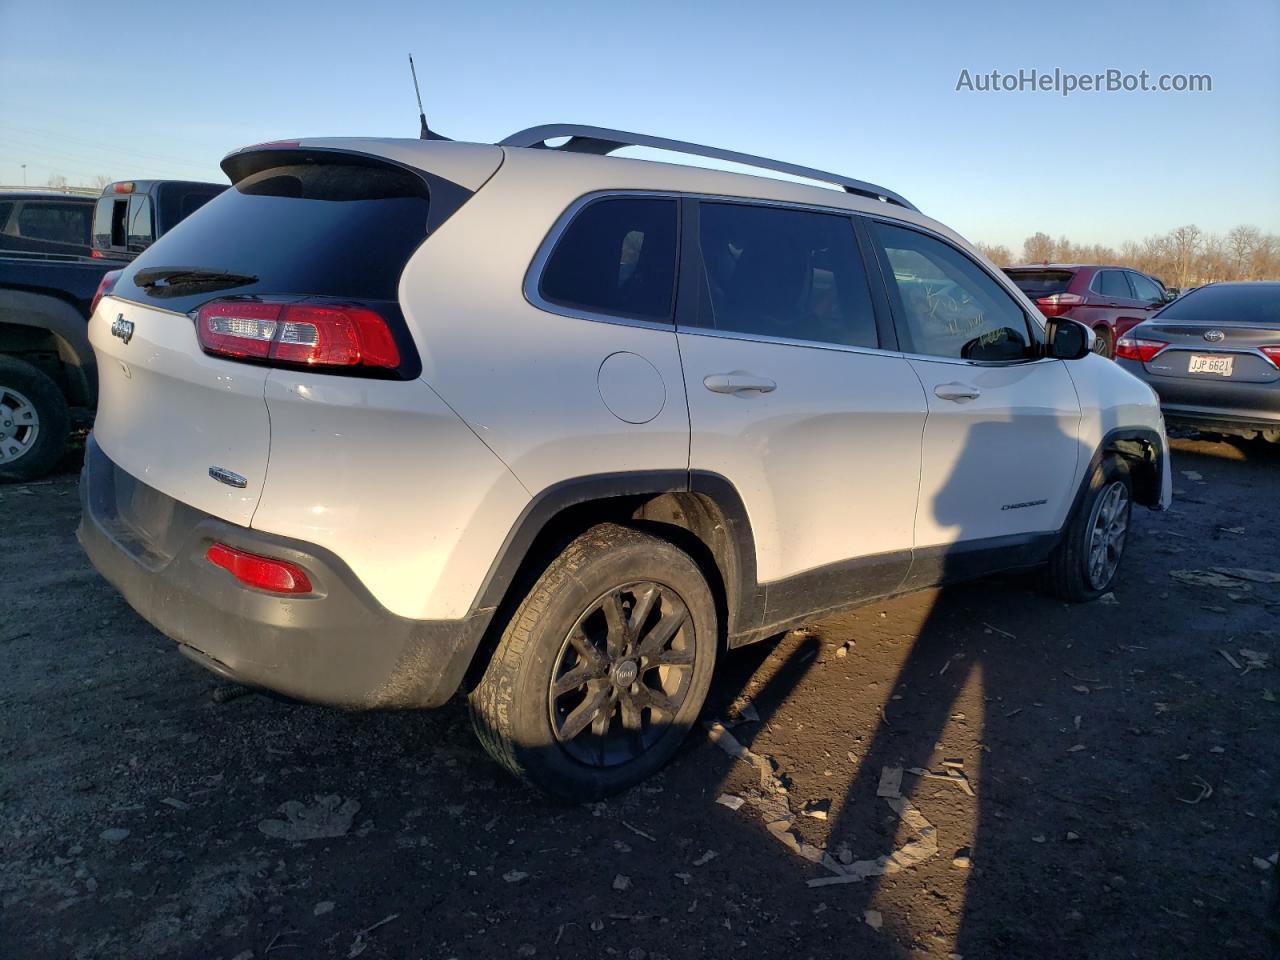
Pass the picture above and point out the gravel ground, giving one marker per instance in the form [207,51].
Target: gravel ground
[1122,758]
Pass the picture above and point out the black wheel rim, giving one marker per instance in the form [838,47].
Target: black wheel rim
[622,674]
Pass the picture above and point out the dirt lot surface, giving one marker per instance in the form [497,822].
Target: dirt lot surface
[1122,756]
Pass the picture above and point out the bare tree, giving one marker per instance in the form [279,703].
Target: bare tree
[997,253]
[100,181]
[58,182]
[1038,248]
[1184,244]
[1242,242]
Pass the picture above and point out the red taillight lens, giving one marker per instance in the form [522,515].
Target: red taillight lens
[1131,348]
[1272,354]
[312,334]
[105,286]
[1056,304]
[264,573]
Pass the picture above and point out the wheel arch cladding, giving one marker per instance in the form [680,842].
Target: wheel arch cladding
[1140,449]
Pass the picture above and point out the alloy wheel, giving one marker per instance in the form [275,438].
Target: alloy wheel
[622,674]
[19,425]
[1108,528]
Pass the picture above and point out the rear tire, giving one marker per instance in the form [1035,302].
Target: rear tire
[1086,561]
[1102,344]
[34,421]
[582,699]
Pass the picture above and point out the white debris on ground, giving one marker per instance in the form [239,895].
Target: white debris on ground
[329,816]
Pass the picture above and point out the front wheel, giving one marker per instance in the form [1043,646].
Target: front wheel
[602,669]
[1086,561]
[1102,342]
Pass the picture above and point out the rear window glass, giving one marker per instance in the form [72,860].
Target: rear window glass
[179,200]
[1041,283]
[325,229]
[59,222]
[617,257]
[1230,303]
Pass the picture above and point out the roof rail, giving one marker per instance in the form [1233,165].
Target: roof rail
[602,141]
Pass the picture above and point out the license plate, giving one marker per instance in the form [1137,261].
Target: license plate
[1221,366]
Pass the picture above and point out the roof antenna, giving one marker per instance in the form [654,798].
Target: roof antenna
[424,132]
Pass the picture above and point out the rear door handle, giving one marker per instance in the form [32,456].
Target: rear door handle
[959,392]
[738,382]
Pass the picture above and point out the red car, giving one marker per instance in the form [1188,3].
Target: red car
[1109,300]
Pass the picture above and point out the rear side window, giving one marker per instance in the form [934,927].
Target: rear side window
[618,257]
[324,229]
[141,230]
[776,272]
[109,216]
[177,201]
[6,208]
[949,306]
[59,222]
[1041,283]
[1111,283]
[1254,304]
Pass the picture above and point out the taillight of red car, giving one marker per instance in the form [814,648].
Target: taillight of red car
[105,286]
[1057,304]
[311,334]
[1272,354]
[1132,348]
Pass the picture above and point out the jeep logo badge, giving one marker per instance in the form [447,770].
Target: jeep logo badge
[122,328]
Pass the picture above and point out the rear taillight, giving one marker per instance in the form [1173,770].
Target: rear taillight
[1056,304]
[105,286]
[309,334]
[1272,354]
[1131,348]
[265,573]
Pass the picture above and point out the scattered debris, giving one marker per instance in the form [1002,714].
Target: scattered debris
[1238,531]
[323,907]
[1270,696]
[1262,863]
[1039,838]
[1254,660]
[1209,578]
[1072,837]
[1243,573]
[360,943]
[706,858]
[175,803]
[514,876]
[621,882]
[1077,748]
[730,801]
[963,859]
[873,919]
[1080,688]
[638,832]
[818,809]
[1004,633]
[114,834]
[743,711]
[954,774]
[890,782]
[730,745]
[329,816]
[1205,791]
[226,692]
[1108,599]
[1193,475]
[1230,659]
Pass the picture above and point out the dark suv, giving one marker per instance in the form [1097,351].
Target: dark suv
[44,223]
[1109,300]
[132,213]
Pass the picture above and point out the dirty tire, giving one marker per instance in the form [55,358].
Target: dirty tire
[1068,570]
[53,417]
[510,707]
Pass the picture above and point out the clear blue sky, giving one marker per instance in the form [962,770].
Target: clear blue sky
[868,89]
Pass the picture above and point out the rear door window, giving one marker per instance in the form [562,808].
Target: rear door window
[777,272]
[616,257]
[1112,283]
[334,229]
[141,229]
[948,305]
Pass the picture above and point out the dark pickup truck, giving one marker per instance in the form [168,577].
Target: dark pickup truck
[48,379]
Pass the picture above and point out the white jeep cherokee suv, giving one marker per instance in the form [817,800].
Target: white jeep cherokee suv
[392,419]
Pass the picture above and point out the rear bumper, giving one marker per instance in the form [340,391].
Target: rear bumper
[336,645]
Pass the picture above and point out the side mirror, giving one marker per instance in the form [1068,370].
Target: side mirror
[1170,296]
[1068,340]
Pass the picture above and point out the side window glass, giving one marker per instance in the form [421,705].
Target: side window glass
[775,272]
[6,208]
[1113,284]
[59,222]
[618,257]
[950,306]
[1144,288]
[140,232]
